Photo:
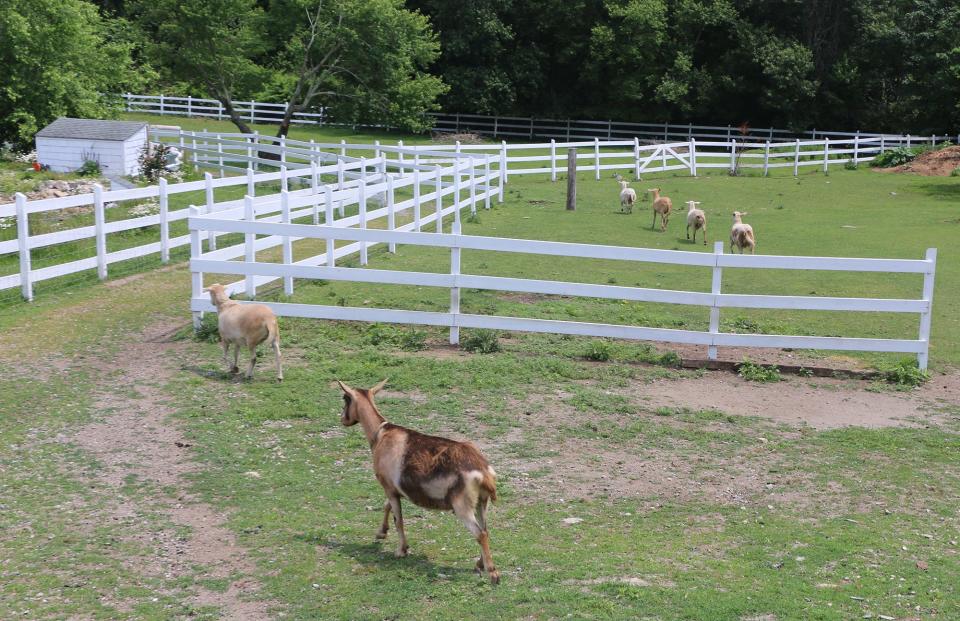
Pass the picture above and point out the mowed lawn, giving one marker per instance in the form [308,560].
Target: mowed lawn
[611,507]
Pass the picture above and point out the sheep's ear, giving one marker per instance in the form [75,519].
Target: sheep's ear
[378,387]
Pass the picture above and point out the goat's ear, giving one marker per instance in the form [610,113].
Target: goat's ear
[378,387]
[346,389]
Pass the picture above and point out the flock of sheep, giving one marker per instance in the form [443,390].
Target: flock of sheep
[741,234]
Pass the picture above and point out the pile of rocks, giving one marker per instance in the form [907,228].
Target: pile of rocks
[56,188]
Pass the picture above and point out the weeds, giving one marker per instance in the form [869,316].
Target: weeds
[481,342]
[905,374]
[753,372]
[599,351]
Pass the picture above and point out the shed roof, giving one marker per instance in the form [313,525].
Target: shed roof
[90,129]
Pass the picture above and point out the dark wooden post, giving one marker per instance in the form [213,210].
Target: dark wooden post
[571,180]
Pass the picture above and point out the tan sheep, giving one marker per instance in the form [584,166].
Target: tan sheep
[628,197]
[697,219]
[244,324]
[741,235]
[661,206]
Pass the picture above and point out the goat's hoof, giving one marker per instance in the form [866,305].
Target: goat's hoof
[380,535]
[479,566]
[234,369]
[402,552]
[494,577]
[280,378]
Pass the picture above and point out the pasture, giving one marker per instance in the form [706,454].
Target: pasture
[139,480]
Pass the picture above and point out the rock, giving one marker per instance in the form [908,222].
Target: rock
[922,565]
[572,520]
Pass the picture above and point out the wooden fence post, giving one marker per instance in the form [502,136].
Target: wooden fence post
[249,249]
[473,186]
[856,149]
[391,215]
[328,221]
[504,171]
[416,198]
[438,185]
[23,245]
[284,182]
[553,160]
[401,165]
[693,157]
[456,188]
[193,149]
[571,179]
[315,190]
[733,155]
[363,208]
[636,157]
[826,154]
[796,158]
[596,158]
[164,221]
[196,278]
[251,184]
[220,155]
[162,112]
[287,244]
[340,182]
[455,291]
[488,185]
[766,158]
[99,221]
[925,317]
[208,190]
[343,148]
[189,106]
[256,151]
[715,291]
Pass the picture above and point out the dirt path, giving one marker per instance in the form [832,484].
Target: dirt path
[137,441]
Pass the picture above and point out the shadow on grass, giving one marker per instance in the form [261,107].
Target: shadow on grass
[381,555]
[940,191]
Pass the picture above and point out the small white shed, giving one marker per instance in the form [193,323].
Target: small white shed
[66,143]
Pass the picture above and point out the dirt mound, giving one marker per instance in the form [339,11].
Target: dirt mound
[932,163]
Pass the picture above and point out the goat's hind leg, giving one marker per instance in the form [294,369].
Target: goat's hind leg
[474,518]
[385,526]
[253,358]
[403,548]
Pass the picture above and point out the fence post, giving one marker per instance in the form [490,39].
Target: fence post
[693,157]
[504,171]
[249,251]
[766,158]
[328,221]
[287,244]
[473,187]
[99,220]
[826,154]
[553,160]
[495,119]
[856,149]
[796,158]
[314,182]
[23,245]
[439,199]
[715,291]
[391,214]
[208,188]
[220,155]
[193,148]
[256,142]
[456,188]
[400,165]
[609,129]
[219,111]
[253,110]
[376,149]
[733,154]
[161,104]
[181,143]
[455,290]
[636,157]
[284,185]
[596,158]
[486,174]
[531,128]
[882,143]
[568,130]
[689,131]
[340,181]
[925,316]
[164,222]
[196,278]
[251,185]
[283,150]
[728,131]
[571,179]
[457,168]
[666,133]
[416,199]
[343,148]
[363,207]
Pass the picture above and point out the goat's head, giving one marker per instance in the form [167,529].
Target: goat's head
[691,205]
[654,190]
[355,400]
[737,215]
[218,294]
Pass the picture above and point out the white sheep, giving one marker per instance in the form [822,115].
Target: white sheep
[741,235]
[628,196]
[244,324]
[697,219]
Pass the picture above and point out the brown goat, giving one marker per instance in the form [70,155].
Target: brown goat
[662,206]
[244,324]
[430,471]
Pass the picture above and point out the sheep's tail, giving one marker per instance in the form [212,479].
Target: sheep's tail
[489,483]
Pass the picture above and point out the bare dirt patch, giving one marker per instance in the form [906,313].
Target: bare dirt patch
[930,164]
[137,442]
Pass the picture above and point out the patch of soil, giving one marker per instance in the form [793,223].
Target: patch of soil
[138,441]
[930,164]
[766,356]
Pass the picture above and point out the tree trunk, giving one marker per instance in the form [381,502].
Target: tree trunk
[234,115]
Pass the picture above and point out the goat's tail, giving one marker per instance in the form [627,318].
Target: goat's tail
[489,483]
[700,221]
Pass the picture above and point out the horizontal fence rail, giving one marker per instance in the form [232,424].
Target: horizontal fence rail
[219,262]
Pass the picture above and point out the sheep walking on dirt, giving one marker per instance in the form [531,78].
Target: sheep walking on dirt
[741,235]
[697,219]
[244,325]
[430,471]
[628,196]
[661,206]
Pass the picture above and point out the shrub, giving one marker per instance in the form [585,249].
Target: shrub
[851,165]
[670,359]
[894,157]
[90,168]
[413,340]
[955,172]
[481,341]
[209,331]
[153,161]
[472,219]
[804,372]
[599,351]
[905,374]
[753,372]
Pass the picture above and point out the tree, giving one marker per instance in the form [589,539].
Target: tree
[58,58]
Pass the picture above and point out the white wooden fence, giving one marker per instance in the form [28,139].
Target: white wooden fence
[513,127]
[324,267]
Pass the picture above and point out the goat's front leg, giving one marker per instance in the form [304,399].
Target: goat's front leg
[385,526]
[402,549]
[236,358]
[253,360]
[653,226]
[694,233]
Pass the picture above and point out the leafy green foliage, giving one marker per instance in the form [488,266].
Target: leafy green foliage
[599,351]
[905,373]
[753,372]
[209,330]
[894,157]
[481,341]
[153,161]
